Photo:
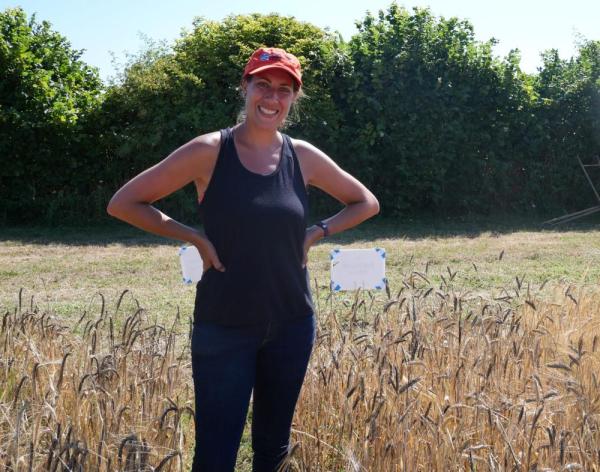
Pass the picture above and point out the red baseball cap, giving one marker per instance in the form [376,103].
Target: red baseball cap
[274,58]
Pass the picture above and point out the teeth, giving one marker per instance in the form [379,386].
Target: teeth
[266,111]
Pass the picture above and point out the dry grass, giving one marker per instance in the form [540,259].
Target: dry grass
[92,399]
[65,270]
[436,379]
[442,381]
[469,362]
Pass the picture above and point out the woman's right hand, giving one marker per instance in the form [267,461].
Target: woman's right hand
[208,253]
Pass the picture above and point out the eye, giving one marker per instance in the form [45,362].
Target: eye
[285,91]
[262,85]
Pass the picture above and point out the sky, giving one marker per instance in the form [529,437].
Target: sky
[109,29]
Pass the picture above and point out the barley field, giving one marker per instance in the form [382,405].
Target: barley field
[482,354]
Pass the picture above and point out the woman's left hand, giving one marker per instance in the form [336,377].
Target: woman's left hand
[312,235]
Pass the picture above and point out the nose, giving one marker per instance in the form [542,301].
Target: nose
[271,93]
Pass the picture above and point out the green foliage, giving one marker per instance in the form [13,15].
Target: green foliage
[567,110]
[45,92]
[435,110]
[444,127]
[412,105]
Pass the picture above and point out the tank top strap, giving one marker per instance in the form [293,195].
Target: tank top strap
[226,144]
[224,157]
[220,170]
[288,149]
[294,163]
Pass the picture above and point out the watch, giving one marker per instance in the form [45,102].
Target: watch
[324,227]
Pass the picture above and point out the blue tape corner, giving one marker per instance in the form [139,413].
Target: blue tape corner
[381,285]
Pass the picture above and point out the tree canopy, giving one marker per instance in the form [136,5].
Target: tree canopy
[412,104]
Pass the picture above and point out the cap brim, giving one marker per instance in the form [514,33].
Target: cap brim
[296,78]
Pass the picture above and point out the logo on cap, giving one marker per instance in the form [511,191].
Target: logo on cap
[265,56]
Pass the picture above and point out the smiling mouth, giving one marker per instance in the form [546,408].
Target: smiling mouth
[267,111]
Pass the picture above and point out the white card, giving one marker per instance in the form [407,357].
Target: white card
[352,269]
[191,264]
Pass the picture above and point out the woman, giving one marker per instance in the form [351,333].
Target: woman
[254,321]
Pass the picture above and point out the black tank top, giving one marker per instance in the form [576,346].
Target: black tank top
[257,225]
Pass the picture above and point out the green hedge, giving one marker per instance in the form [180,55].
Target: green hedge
[412,105]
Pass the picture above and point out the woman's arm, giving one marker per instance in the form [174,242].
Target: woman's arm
[194,161]
[321,171]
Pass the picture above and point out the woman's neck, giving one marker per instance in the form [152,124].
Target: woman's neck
[255,137]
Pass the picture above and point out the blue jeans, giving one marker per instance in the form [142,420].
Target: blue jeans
[228,364]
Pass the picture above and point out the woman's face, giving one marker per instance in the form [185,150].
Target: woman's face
[269,96]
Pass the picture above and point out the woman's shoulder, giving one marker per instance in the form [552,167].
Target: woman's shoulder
[207,142]
[310,158]
[304,149]
[205,149]
[308,152]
